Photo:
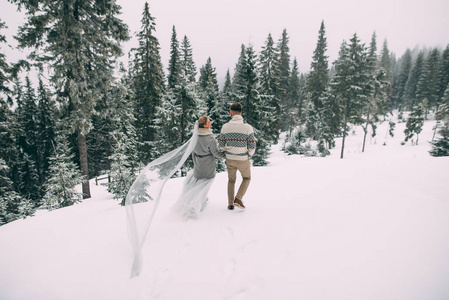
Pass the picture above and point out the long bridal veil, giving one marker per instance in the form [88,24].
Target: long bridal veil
[144,195]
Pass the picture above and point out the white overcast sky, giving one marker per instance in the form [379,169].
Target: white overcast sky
[217,28]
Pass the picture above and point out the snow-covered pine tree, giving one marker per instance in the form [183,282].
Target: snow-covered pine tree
[81,55]
[26,114]
[318,78]
[64,176]
[385,59]
[225,100]
[187,64]
[412,82]
[4,67]
[10,130]
[9,199]
[174,64]
[283,75]
[316,85]
[147,87]
[440,147]
[122,173]
[268,62]
[415,123]
[295,101]
[378,89]
[46,127]
[184,92]
[444,73]
[331,114]
[168,124]
[428,83]
[210,93]
[98,139]
[350,82]
[125,162]
[124,120]
[404,67]
[255,111]
[238,79]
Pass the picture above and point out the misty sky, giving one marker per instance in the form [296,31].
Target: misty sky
[217,29]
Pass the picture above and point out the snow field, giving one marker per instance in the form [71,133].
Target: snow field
[374,225]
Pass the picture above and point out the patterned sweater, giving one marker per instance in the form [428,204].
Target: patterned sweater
[237,139]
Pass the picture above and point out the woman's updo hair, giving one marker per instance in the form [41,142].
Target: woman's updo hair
[202,121]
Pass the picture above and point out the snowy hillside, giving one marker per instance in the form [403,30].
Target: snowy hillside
[374,225]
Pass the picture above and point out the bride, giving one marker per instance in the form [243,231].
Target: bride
[193,197]
[144,195]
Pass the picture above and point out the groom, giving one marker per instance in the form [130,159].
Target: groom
[237,140]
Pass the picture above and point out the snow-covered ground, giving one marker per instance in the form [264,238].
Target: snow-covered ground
[373,225]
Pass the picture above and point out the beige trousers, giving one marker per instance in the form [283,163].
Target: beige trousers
[244,167]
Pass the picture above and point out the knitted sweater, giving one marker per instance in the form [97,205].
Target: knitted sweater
[237,139]
[204,154]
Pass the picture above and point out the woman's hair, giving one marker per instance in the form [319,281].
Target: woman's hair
[202,121]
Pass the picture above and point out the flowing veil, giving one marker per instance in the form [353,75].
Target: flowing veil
[144,195]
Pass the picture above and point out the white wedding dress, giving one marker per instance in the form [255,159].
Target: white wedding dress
[144,195]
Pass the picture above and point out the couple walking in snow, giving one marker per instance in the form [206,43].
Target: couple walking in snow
[237,144]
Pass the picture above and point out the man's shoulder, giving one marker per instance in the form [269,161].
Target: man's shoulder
[227,127]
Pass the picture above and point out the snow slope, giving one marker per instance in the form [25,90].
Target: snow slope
[374,225]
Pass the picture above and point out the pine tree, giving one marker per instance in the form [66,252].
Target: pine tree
[80,54]
[440,147]
[385,60]
[210,93]
[174,64]
[404,73]
[184,92]
[283,75]
[187,64]
[350,83]
[268,62]
[146,85]
[98,139]
[29,182]
[410,96]
[9,199]
[46,129]
[316,85]
[168,124]
[294,97]
[4,67]
[11,130]
[225,100]
[122,173]
[238,80]
[444,73]
[64,176]
[415,123]
[255,111]
[123,121]
[428,83]
[318,77]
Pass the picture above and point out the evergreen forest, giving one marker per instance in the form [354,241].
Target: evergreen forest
[91,117]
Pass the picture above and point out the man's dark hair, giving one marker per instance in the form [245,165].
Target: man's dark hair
[236,107]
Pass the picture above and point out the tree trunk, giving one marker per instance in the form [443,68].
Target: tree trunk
[84,165]
[365,129]
[344,137]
